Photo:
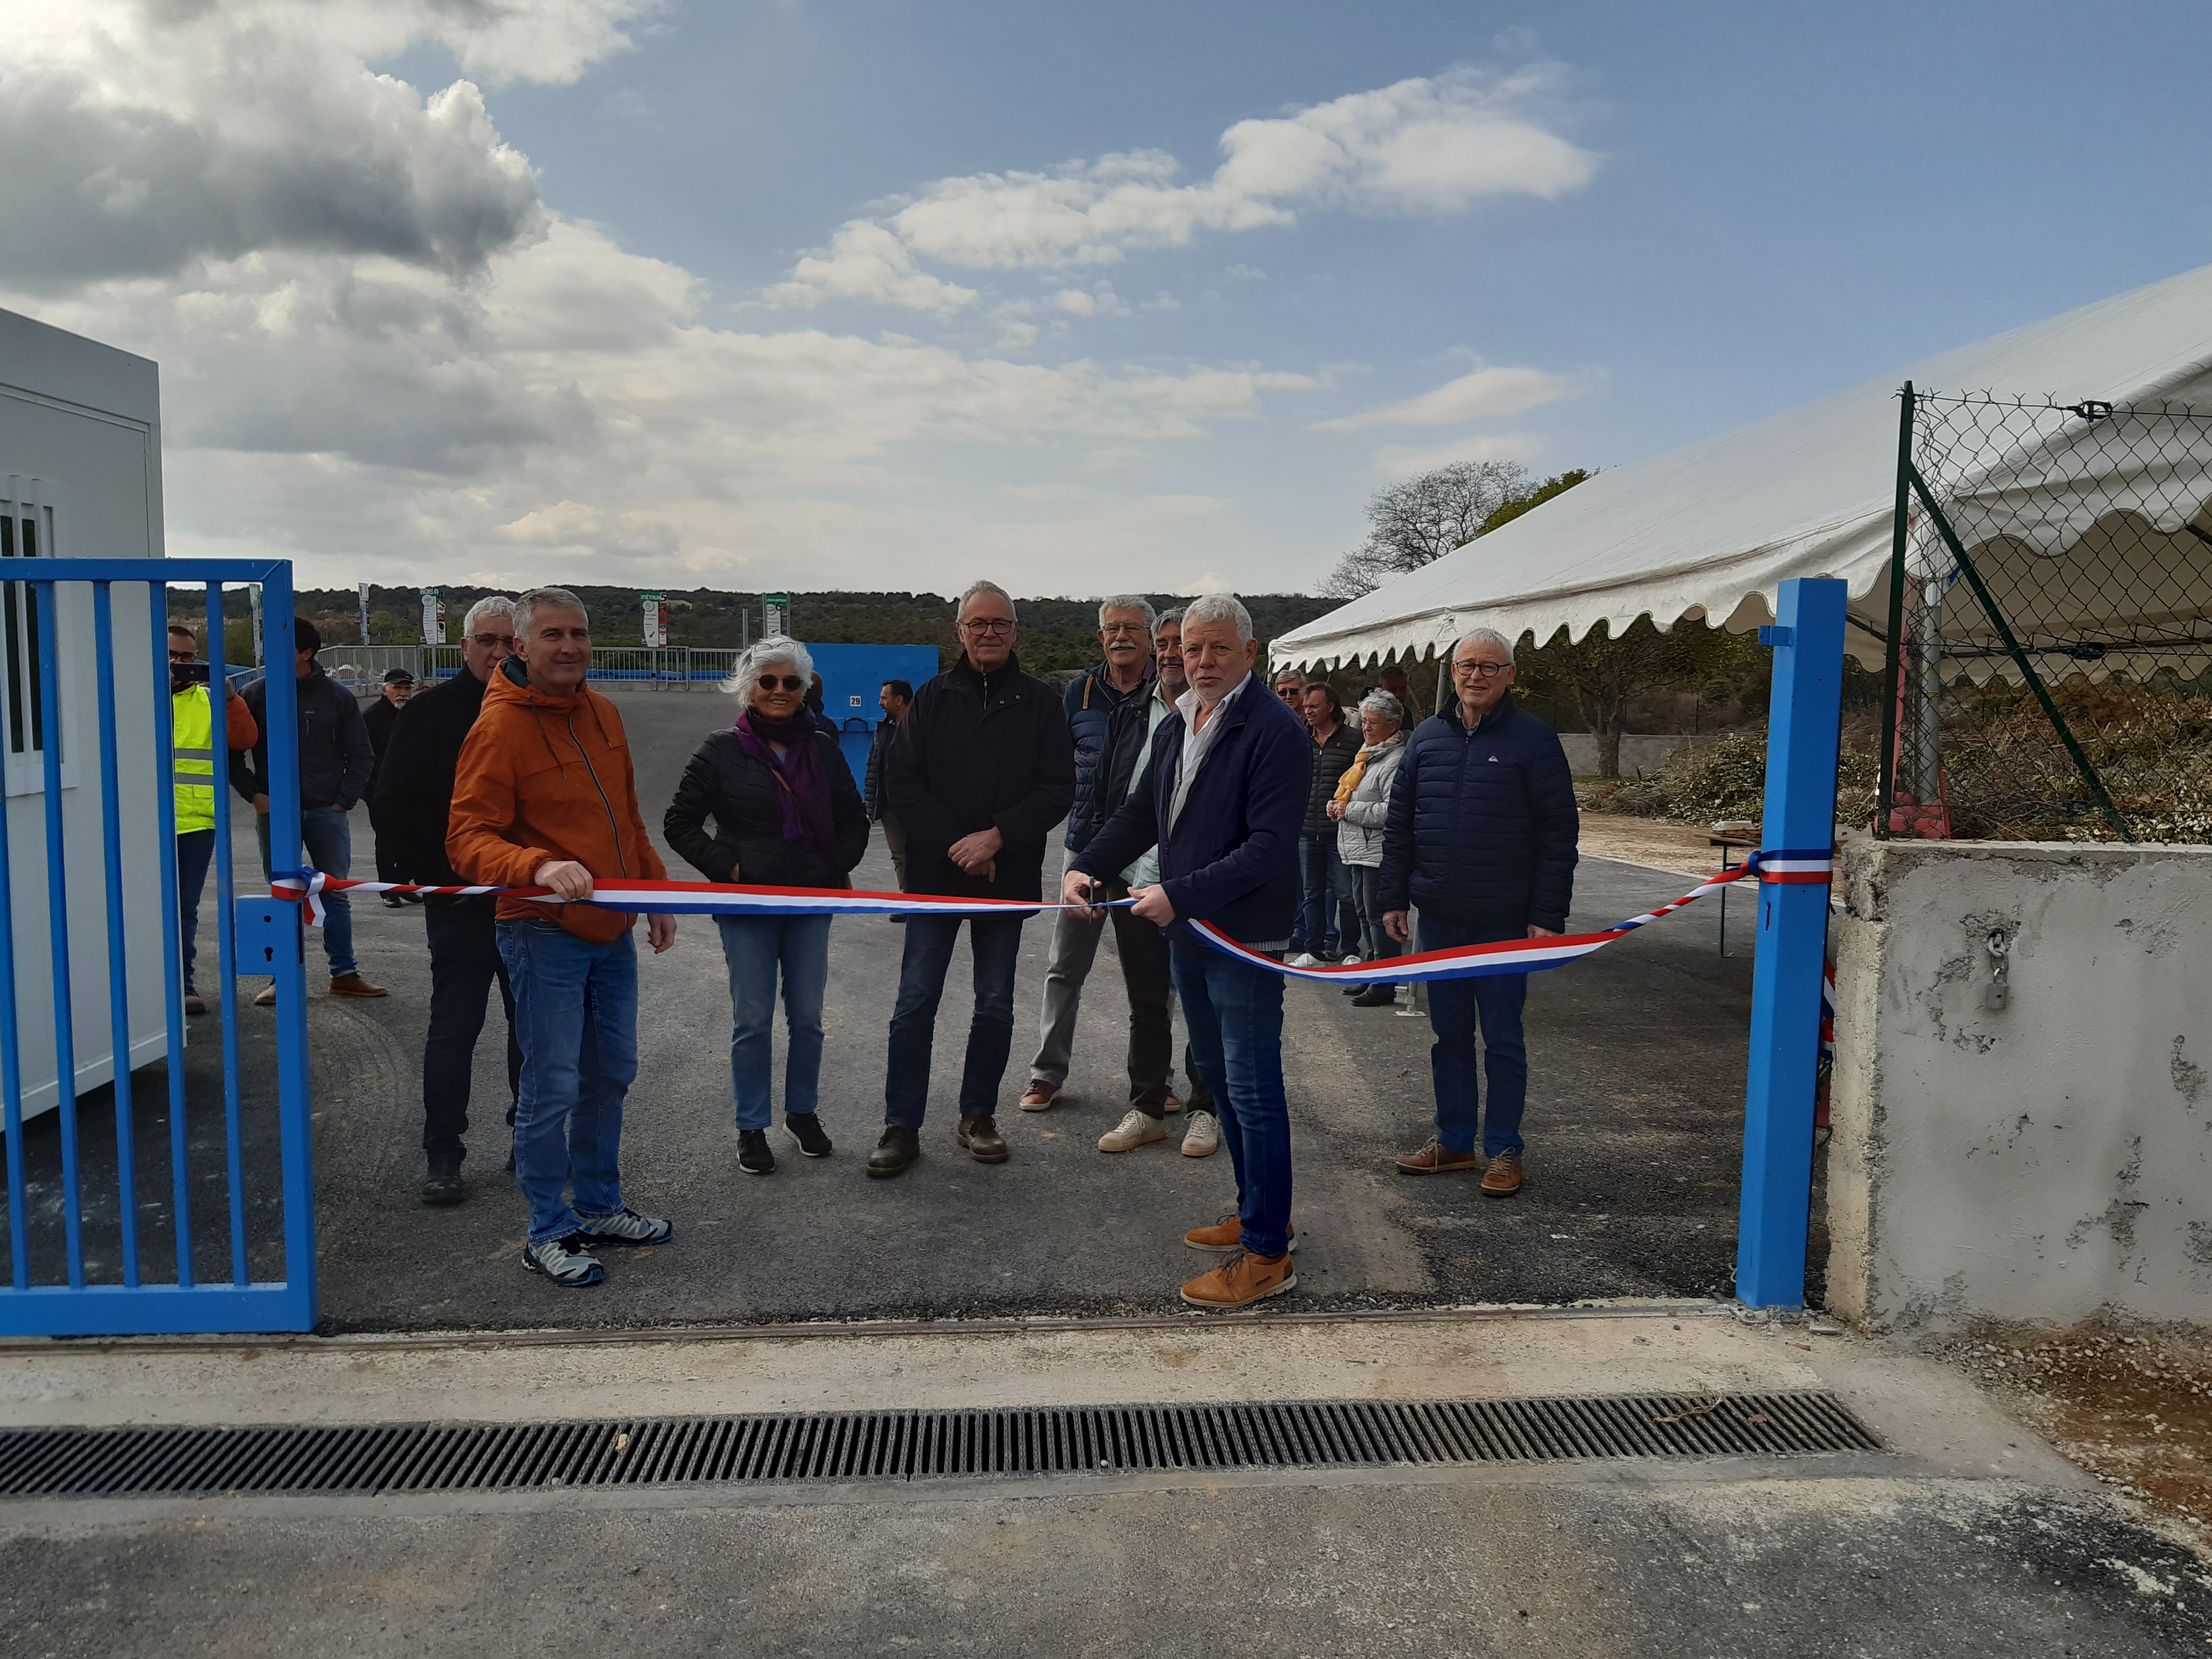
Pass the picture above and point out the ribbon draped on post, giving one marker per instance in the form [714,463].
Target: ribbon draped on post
[710,898]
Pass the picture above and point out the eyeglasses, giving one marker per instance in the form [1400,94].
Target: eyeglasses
[184,656]
[1124,630]
[488,641]
[1486,670]
[989,624]
[788,682]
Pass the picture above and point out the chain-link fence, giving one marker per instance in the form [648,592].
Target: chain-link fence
[361,667]
[2050,640]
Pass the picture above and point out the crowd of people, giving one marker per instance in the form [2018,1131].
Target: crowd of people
[1188,793]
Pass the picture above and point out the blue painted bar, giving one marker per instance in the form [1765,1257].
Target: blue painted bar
[119,979]
[233,1131]
[183,573]
[173,944]
[1804,714]
[11,1061]
[51,737]
[295,1100]
[149,1309]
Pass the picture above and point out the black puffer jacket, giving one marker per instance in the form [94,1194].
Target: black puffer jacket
[981,752]
[724,783]
[413,792]
[1331,760]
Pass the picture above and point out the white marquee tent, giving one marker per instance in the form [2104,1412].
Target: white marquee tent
[1711,530]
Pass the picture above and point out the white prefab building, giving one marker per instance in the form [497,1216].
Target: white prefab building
[80,477]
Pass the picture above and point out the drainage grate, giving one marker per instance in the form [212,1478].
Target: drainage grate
[911,1445]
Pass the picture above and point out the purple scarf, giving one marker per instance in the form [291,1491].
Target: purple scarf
[802,787]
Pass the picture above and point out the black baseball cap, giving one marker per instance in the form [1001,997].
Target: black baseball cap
[397,676]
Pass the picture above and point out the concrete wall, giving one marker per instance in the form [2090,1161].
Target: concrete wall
[2041,1162]
[1640,752]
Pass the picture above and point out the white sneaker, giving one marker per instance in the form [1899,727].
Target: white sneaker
[1305,959]
[623,1227]
[1203,1138]
[563,1261]
[1353,960]
[1135,1129]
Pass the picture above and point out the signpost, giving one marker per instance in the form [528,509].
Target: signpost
[364,613]
[775,614]
[434,615]
[656,621]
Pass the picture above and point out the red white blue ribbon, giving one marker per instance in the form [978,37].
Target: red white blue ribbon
[1526,956]
[727,899]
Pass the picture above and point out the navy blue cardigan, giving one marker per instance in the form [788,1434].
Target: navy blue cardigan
[1233,857]
[1482,825]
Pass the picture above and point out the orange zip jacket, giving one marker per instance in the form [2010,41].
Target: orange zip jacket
[545,777]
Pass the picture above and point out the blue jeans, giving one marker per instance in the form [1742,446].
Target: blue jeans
[1375,944]
[1456,1007]
[194,852]
[996,941]
[327,836]
[755,947]
[1327,924]
[1235,1014]
[575,1005]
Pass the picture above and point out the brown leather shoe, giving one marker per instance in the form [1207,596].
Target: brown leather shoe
[267,999]
[192,1003]
[1039,1097]
[980,1135]
[353,985]
[1171,1105]
[1240,1281]
[1226,1234]
[900,1147]
[1437,1158]
[1502,1178]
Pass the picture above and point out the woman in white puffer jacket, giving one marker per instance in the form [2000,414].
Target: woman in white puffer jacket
[1362,802]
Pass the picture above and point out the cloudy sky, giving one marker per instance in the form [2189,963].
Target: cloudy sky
[764,294]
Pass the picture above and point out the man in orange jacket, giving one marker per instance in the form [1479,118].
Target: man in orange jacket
[544,796]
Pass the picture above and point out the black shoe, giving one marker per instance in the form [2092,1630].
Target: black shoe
[510,1160]
[753,1155]
[806,1129]
[394,901]
[1355,990]
[443,1184]
[900,1147]
[1375,996]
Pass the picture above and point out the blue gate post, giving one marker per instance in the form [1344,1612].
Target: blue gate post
[1806,709]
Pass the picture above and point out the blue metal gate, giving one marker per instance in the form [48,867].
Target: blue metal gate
[94,1254]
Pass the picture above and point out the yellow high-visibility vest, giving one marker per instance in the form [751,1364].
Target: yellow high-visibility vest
[191,736]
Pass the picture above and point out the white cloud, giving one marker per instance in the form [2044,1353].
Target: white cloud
[1424,146]
[1405,460]
[867,263]
[1486,393]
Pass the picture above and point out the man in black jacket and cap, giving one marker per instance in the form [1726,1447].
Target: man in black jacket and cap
[980,770]
[414,796]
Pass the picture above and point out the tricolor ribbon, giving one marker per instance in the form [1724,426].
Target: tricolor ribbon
[1527,956]
[1520,956]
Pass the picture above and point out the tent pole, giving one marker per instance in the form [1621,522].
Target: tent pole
[1801,734]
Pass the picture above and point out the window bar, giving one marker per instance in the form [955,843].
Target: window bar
[226,904]
[295,1141]
[173,988]
[49,706]
[119,979]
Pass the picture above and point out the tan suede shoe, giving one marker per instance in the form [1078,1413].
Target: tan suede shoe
[1226,1234]
[353,985]
[1039,1097]
[1437,1158]
[1240,1281]
[1502,1178]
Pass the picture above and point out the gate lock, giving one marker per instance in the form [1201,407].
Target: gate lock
[266,934]
[1998,991]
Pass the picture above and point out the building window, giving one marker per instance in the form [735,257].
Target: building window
[25,533]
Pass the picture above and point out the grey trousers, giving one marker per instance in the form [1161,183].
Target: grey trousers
[1143,950]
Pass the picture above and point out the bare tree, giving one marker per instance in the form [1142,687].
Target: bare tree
[1419,521]
[1597,675]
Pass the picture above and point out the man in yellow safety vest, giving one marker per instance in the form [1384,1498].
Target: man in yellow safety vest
[192,757]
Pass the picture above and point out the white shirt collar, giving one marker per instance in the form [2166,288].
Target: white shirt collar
[1187,704]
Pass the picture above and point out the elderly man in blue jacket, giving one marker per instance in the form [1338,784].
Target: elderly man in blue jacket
[1223,796]
[1482,837]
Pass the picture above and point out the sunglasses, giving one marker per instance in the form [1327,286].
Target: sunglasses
[788,682]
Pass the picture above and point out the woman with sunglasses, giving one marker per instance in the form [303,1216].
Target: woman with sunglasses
[787,814]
